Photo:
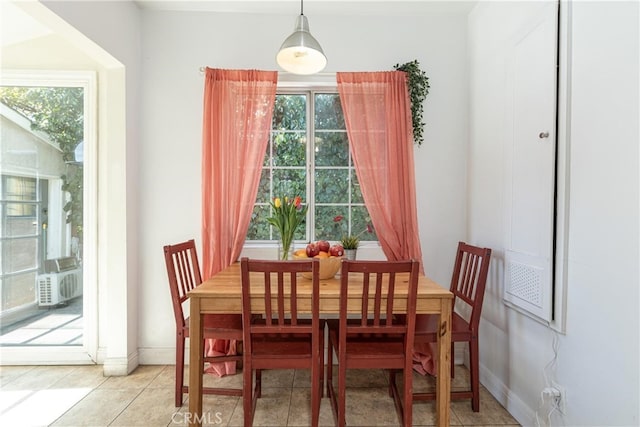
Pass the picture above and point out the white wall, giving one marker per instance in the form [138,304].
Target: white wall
[114,26]
[177,44]
[597,359]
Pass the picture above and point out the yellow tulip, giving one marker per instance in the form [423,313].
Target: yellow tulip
[276,202]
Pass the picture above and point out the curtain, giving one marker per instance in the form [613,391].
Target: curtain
[377,113]
[238,107]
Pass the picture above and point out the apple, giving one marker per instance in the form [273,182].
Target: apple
[323,245]
[336,250]
[312,250]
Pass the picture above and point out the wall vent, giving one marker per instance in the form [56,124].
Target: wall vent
[527,284]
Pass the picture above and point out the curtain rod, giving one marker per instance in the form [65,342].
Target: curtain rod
[287,73]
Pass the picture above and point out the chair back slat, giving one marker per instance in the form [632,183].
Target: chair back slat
[364,309]
[378,290]
[268,311]
[391,291]
[294,295]
[469,278]
[183,271]
[281,309]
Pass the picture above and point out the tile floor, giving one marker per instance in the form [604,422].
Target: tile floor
[82,396]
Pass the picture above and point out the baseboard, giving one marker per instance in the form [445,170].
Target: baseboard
[120,366]
[512,403]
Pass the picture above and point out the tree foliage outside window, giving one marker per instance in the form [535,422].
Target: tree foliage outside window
[59,112]
[310,159]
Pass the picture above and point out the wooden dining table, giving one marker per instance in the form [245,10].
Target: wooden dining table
[222,293]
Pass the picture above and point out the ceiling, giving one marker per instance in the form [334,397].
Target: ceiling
[317,7]
[17,26]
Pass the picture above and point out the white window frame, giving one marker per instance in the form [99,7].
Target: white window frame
[324,82]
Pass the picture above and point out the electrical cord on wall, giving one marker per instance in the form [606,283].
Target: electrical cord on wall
[548,372]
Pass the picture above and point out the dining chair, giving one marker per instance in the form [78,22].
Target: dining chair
[467,285]
[276,335]
[377,339]
[183,270]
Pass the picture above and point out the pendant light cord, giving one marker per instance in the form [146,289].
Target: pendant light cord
[301,7]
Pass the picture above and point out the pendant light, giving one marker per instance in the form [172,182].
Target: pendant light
[301,53]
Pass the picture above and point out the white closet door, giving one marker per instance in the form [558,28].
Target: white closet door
[530,165]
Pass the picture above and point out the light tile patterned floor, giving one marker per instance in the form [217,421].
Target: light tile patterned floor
[81,396]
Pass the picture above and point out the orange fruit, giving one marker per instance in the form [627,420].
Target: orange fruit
[301,253]
[322,254]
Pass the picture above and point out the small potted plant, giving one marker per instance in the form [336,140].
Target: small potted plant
[350,242]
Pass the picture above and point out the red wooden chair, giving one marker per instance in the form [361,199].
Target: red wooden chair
[467,285]
[183,271]
[275,336]
[378,339]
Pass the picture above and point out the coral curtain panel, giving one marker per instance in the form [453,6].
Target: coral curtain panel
[238,106]
[377,113]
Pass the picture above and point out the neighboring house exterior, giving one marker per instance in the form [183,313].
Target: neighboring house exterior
[33,221]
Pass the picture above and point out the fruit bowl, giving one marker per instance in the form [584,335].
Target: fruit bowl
[328,266]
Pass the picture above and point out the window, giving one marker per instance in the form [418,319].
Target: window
[310,158]
[21,240]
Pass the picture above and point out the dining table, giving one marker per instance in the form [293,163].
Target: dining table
[222,294]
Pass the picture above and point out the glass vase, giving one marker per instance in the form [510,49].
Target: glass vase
[283,253]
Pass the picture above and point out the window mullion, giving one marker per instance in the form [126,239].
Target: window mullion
[311,166]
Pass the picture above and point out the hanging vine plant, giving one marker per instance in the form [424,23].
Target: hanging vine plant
[418,83]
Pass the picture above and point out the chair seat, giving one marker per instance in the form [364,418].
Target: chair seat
[427,326]
[221,326]
[277,348]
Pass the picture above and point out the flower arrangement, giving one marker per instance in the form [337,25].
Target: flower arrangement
[288,214]
[351,241]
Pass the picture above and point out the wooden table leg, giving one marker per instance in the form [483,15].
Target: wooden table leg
[443,380]
[195,363]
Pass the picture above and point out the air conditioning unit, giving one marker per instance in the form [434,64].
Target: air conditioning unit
[56,288]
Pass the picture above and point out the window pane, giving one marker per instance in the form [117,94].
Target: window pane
[332,149]
[361,224]
[20,225]
[259,227]
[328,112]
[20,188]
[263,187]
[19,254]
[332,185]
[18,290]
[290,183]
[356,193]
[326,227]
[289,149]
[290,112]
[22,209]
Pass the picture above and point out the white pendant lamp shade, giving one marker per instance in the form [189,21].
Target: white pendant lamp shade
[301,53]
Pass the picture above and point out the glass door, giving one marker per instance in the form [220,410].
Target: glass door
[44,291]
